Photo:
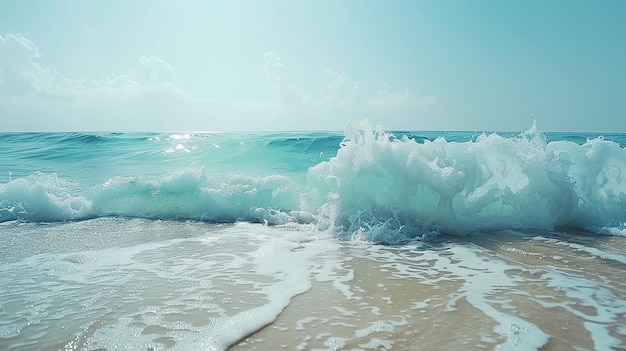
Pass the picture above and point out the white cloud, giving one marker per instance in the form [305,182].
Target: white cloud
[148,97]
[155,70]
[341,93]
[23,75]
[16,48]
[282,91]
[385,98]
[340,89]
[18,70]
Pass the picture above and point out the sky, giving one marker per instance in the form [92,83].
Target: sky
[274,65]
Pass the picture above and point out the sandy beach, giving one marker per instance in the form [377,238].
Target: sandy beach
[398,298]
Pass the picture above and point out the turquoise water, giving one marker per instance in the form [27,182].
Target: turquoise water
[180,240]
[387,186]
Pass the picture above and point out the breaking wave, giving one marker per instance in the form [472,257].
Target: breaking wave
[380,186]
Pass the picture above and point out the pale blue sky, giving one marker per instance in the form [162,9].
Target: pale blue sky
[302,65]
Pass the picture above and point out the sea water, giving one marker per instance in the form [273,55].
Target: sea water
[365,239]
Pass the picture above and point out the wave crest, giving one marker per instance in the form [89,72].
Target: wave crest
[378,187]
[387,189]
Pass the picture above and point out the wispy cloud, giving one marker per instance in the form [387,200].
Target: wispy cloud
[149,96]
[385,98]
[19,71]
[21,74]
[341,91]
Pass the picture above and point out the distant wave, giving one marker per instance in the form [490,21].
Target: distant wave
[385,187]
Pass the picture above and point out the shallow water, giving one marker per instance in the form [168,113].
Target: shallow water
[136,284]
[317,240]
[504,290]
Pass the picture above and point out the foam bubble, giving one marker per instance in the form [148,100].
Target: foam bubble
[392,190]
[42,197]
[378,187]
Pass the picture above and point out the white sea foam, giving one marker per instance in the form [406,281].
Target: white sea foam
[377,187]
[189,285]
[42,197]
[391,190]
[126,283]
[109,283]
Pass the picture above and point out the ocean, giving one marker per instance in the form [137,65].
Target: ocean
[356,240]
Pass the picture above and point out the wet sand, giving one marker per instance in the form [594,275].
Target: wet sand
[401,298]
[168,285]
